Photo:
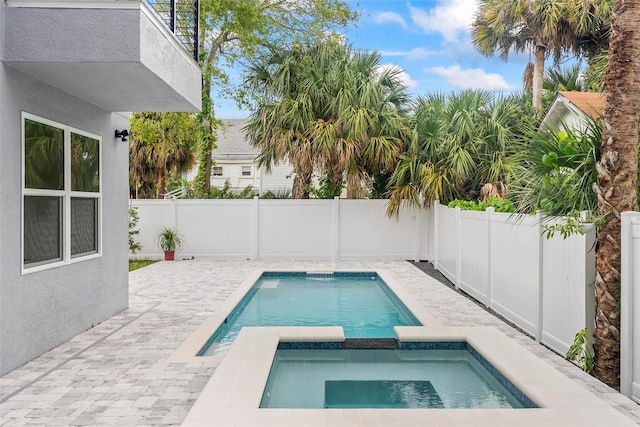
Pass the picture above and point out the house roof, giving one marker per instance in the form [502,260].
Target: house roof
[590,103]
[569,106]
[232,142]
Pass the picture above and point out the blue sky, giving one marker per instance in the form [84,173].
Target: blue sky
[430,41]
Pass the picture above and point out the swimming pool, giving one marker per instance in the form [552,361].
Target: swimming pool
[360,302]
[429,376]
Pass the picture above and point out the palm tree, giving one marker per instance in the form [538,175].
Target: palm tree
[279,127]
[561,78]
[332,111]
[161,144]
[558,170]
[544,27]
[617,179]
[461,141]
[364,125]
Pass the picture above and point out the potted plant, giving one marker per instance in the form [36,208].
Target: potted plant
[168,239]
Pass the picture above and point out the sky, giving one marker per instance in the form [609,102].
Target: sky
[430,41]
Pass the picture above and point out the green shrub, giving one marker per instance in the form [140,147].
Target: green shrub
[134,246]
[500,205]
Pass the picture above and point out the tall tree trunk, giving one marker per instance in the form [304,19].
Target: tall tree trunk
[160,186]
[301,182]
[207,143]
[617,176]
[538,77]
[207,119]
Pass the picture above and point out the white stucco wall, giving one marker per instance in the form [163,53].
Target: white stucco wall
[39,311]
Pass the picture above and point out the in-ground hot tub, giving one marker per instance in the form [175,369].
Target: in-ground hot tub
[234,393]
[419,375]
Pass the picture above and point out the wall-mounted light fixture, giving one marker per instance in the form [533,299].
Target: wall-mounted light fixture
[122,134]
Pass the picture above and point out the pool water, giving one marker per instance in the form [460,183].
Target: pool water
[359,302]
[385,379]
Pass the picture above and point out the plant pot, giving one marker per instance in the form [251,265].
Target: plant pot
[169,255]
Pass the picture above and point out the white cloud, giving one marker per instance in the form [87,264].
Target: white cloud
[449,17]
[403,76]
[471,78]
[416,53]
[384,17]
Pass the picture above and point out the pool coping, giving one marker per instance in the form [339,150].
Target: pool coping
[187,351]
[233,394]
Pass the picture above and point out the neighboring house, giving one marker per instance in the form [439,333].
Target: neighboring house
[571,109]
[65,67]
[235,160]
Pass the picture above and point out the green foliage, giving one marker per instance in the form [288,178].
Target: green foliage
[547,28]
[581,352]
[225,192]
[237,32]
[283,193]
[460,142]
[328,188]
[559,78]
[559,171]
[205,147]
[169,239]
[135,264]
[500,205]
[134,246]
[247,193]
[594,76]
[182,183]
[572,224]
[330,110]
[161,147]
[240,31]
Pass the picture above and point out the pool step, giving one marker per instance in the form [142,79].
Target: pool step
[370,343]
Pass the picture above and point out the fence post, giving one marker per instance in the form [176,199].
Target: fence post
[336,228]
[174,203]
[627,318]
[458,246]
[417,236]
[436,203]
[255,250]
[489,297]
[540,281]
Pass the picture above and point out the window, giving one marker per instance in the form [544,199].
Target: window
[217,171]
[246,171]
[61,194]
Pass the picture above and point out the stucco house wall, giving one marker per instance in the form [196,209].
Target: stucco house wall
[58,75]
[43,309]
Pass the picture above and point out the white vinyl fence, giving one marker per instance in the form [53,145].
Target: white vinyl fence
[630,306]
[285,229]
[545,286]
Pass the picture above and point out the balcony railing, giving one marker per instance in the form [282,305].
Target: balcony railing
[181,17]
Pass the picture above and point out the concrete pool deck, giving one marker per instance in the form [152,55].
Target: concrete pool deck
[121,373]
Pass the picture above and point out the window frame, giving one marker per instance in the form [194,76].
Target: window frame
[66,194]
[249,170]
[213,170]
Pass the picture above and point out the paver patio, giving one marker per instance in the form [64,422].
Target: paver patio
[118,373]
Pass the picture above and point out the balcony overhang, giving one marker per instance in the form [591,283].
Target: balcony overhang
[115,54]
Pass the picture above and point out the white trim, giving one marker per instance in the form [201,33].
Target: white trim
[66,194]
